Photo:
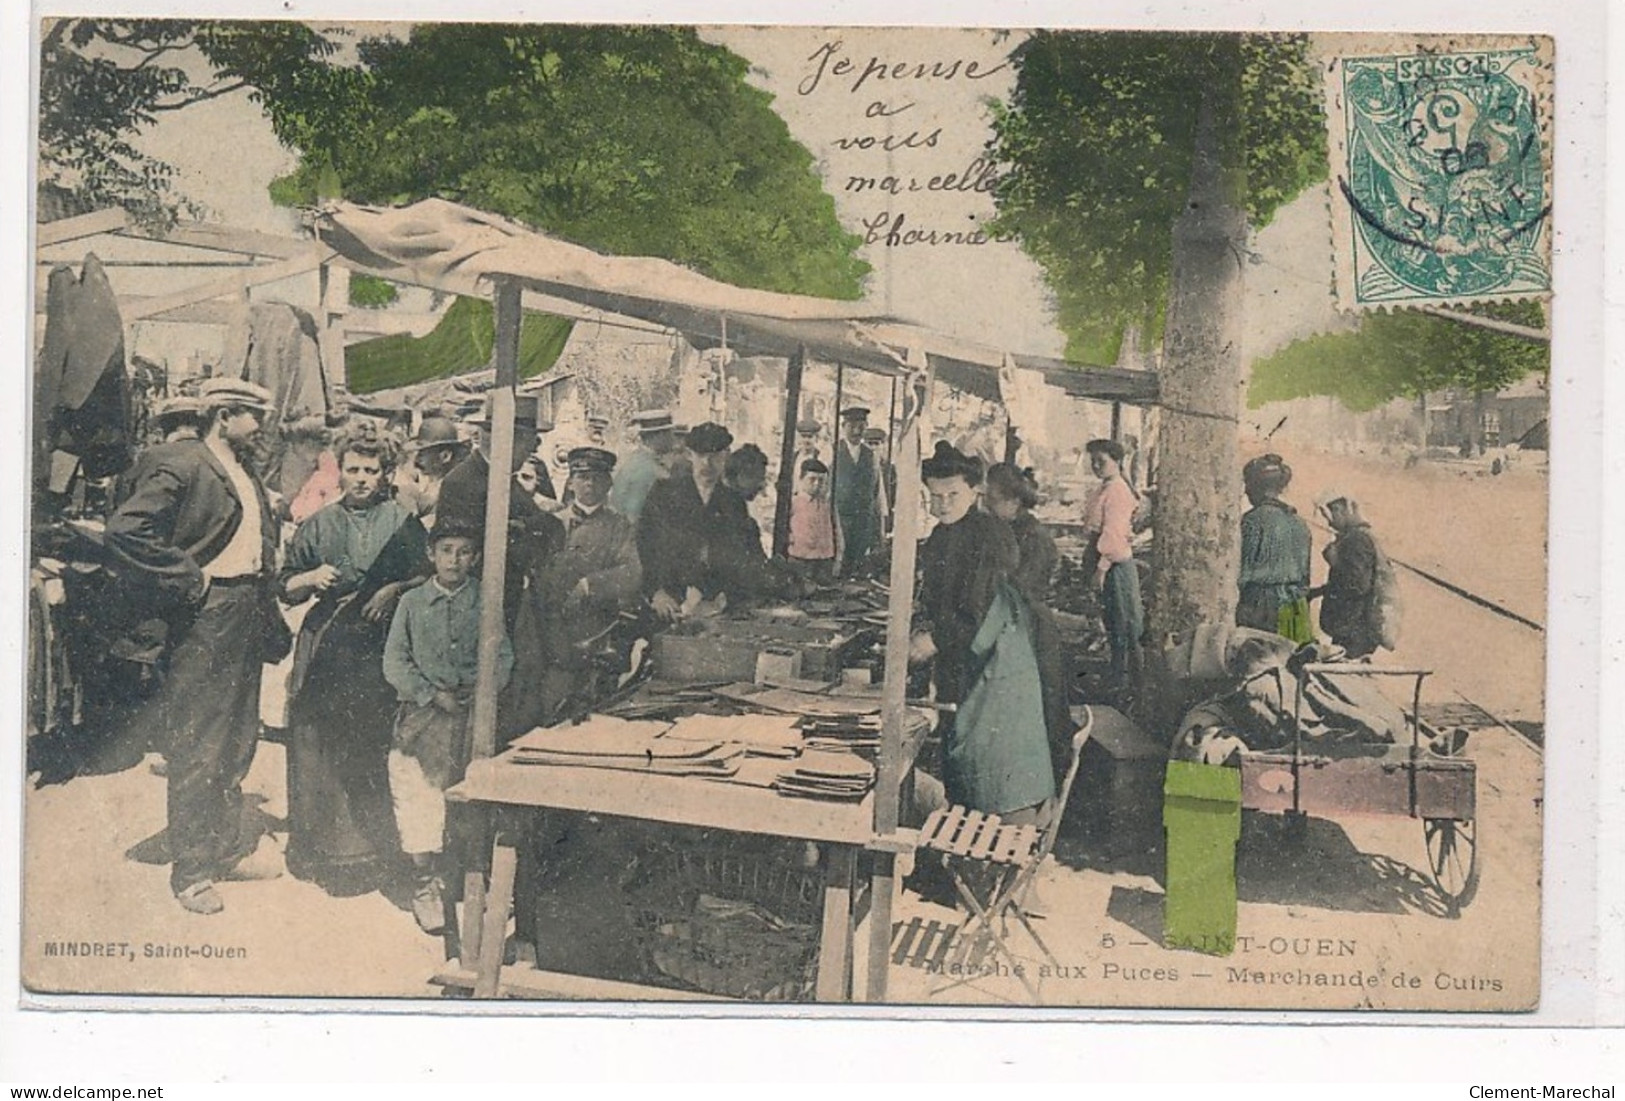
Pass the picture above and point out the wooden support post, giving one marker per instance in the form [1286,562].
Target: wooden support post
[330,339]
[1117,421]
[891,424]
[494,924]
[882,880]
[894,705]
[835,462]
[787,454]
[835,939]
[483,721]
[499,486]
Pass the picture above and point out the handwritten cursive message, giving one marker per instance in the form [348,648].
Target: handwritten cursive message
[896,149]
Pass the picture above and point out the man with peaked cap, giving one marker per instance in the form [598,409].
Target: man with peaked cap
[857,490]
[648,462]
[196,540]
[687,533]
[590,582]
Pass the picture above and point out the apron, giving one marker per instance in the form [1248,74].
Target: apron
[997,750]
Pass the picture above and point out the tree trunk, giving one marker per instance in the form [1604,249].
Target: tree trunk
[1199,484]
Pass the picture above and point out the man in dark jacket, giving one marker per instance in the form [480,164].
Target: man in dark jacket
[689,533]
[196,541]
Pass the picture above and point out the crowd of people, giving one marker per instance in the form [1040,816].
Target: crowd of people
[379,570]
[383,561]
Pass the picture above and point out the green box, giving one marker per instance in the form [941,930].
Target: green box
[1201,812]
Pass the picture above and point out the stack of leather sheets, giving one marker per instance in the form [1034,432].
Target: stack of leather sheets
[827,774]
[607,742]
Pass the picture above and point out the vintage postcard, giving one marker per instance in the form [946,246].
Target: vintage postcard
[774,515]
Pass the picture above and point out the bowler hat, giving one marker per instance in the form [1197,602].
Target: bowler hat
[526,413]
[709,438]
[433,431]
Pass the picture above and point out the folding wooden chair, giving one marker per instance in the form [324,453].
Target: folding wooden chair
[983,850]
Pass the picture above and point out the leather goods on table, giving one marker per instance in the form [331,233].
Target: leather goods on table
[827,774]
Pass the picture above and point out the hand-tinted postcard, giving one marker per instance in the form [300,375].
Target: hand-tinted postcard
[788,514]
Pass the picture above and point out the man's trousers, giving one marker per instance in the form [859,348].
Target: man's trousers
[211,719]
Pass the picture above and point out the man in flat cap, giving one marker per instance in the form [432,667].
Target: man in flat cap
[857,492]
[647,463]
[687,531]
[591,581]
[196,541]
[807,431]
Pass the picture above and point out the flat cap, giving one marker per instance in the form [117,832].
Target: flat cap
[855,412]
[808,427]
[182,405]
[218,393]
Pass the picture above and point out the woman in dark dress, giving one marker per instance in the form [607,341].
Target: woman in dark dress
[355,556]
[976,628]
[1011,494]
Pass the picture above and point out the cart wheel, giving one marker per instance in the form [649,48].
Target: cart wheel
[1453,859]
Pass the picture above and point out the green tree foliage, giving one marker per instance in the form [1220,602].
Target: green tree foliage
[1096,146]
[1402,354]
[631,140]
[103,81]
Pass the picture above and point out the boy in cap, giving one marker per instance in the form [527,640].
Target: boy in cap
[857,491]
[646,464]
[431,659]
[196,540]
[807,431]
[592,580]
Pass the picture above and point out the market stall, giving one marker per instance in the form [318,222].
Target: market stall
[742,767]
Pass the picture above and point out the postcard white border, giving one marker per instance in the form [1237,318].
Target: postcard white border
[1582,953]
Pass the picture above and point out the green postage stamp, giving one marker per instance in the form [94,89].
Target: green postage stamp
[1441,171]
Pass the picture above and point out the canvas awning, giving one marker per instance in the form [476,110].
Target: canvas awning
[443,245]
[440,244]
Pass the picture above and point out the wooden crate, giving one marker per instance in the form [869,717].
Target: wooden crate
[727,650]
[1117,801]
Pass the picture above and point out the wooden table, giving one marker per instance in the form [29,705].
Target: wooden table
[844,831]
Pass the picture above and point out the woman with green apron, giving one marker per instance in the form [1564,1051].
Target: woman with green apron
[978,631]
